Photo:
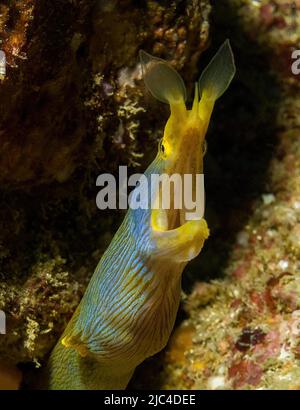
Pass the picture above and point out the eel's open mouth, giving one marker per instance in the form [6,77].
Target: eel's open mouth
[183,202]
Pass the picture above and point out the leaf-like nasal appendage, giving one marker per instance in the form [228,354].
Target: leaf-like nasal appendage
[219,73]
[163,82]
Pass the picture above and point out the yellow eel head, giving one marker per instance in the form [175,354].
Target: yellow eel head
[182,147]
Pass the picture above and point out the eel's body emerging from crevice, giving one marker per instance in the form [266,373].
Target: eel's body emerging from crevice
[128,310]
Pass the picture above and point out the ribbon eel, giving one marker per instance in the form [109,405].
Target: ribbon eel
[128,310]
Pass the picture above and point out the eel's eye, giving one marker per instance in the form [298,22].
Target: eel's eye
[161,147]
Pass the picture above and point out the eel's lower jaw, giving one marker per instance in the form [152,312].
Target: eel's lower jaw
[180,244]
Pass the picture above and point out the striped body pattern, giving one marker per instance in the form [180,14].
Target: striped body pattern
[129,308]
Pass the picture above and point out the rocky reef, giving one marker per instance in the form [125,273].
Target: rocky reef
[240,323]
